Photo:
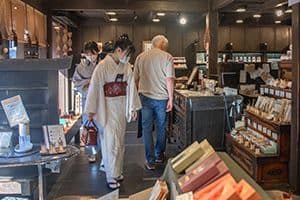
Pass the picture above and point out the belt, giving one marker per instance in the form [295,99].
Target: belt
[115,89]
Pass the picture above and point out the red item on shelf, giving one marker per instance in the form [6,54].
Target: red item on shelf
[246,192]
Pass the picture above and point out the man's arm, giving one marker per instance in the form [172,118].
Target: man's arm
[170,88]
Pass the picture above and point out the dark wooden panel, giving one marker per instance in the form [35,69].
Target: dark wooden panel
[282,37]
[140,33]
[121,29]
[252,38]
[268,36]
[223,37]
[107,32]
[237,37]
[174,35]
[189,36]
[157,29]
[90,33]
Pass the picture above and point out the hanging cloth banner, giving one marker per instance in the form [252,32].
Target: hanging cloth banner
[292,2]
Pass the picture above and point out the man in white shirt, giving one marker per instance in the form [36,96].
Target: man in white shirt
[154,75]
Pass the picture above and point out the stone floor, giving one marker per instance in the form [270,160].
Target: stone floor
[81,180]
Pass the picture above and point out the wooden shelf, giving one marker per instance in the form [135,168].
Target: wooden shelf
[276,125]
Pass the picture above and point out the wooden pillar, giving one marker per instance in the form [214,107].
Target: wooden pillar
[49,36]
[295,134]
[212,23]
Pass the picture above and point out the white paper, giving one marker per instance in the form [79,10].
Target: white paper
[5,139]
[288,95]
[282,94]
[272,91]
[111,196]
[266,90]
[15,111]
[243,76]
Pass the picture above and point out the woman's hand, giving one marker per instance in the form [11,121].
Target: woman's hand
[134,115]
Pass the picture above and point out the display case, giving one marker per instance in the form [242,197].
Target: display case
[194,117]
[36,81]
[262,147]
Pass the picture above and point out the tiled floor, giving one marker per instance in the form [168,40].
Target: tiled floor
[81,179]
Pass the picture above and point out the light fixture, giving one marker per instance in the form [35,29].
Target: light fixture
[288,11]
[279,13]
[241,9]
[281,4]
[111,13]
[113,19]
[156,20]
[15,7]
[257,15]
[56,27]
[239,21]
[161,14]
[182,21]
[277,22]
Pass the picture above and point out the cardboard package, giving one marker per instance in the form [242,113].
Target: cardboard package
[187,157]
[210,169]
[246,192]
[159,191]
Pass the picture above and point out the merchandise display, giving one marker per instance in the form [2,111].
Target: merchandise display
[54,140]
[159,191]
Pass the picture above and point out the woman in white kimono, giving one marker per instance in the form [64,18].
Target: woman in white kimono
[113,100]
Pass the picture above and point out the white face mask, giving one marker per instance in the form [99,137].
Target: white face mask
[125,59]
[92,59]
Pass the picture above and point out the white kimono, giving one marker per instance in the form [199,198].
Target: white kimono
[112,112]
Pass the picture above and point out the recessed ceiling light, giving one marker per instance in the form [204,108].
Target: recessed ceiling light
[279,13]
[56,27]
[288,11]
[16,8]
[182,21]
[277,22]
[161,14]
[257,16]
[113,19]
[241,10]
[111,13]
[239,21]
[281,4]
[156,20]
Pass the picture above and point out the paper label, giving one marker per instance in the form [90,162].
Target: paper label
[282,94]
[259,127]
[274,135]
[269,133]
[10,188]
[288,95]
[262,91]
[15,111]
[264,130]
[266,90]
[277,93]
[272,91]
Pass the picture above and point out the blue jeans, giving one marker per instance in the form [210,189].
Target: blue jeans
[153,110]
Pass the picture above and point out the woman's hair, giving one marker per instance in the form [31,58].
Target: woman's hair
[91,46]
[125,44]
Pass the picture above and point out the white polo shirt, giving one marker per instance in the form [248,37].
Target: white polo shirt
[152,68]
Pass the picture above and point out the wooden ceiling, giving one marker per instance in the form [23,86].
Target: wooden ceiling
[145,10]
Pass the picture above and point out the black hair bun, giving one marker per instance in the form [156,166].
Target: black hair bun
[91,46]
[108,47]
[124,37]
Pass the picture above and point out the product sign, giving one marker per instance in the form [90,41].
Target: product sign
[292,2]
[15,111]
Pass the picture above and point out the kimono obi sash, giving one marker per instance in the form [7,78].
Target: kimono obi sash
[115,89]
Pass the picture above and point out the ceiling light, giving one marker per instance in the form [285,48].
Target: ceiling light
[160,14]
[277,22]
[289,11]
[16,8]
[113,19]
[241,10]
[182,21]
[257,16]
[156,20]
[111,13]
[281,4]
[56,27]
[239,21]
[279,13]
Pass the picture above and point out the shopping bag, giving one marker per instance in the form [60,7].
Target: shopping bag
[92,133]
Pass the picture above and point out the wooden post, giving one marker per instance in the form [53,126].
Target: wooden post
[295,134]
[212,28]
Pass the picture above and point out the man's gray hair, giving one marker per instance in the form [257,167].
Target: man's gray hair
[158,39]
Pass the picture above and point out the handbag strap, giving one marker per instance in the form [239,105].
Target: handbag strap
[88,124]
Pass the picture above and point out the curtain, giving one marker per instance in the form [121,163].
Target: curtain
[19,18]
[30,16]
[5,18]
[41,31]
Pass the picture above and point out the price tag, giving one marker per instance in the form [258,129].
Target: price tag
[288,95]
[282,94]
[262,91]
[249,121]
[271,91]
[275,136]
[264,130]
[255,125]
[259,127]
[266,90]
[269,132]
[277,93]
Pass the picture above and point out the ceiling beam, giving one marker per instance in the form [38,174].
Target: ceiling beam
[170,6]
[219,4]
